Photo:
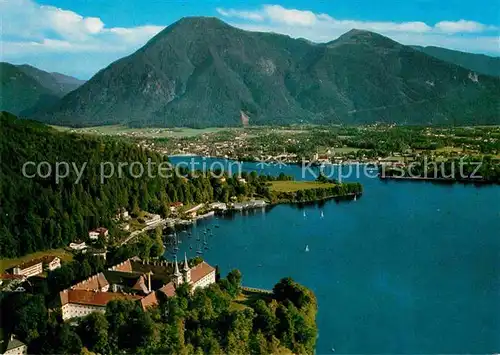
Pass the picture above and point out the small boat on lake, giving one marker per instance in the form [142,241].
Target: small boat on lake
[322,215]
[176,243]
[307,248]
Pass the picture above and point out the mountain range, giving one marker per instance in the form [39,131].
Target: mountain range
[480,63]
[202,72]
[23,87]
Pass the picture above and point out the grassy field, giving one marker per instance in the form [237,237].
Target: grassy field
[345,150]
[119,130]
[246,299]
[449,150]
[61,253]
[293,186]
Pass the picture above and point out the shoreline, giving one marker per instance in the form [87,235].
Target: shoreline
[276,162]
[189,222]
[346,197]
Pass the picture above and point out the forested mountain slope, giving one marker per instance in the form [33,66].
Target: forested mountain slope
[24,88]
[203,72]
[41,213]
[480,63]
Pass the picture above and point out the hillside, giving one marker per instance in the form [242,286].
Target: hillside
[23,87]
[58,83]
[64,210]
[19,91]
[480,63]
[87,194]
[201,72]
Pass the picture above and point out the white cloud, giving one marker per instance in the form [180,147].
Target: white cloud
[69,24]
[461,35]
[30,27]
[278,13]
[462,26]
[247,15]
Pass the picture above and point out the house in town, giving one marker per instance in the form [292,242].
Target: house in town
[218,206]
[122,215]
[96,233]
[257,204]
[37,266]
[78,245]
[51,263]
[30,268]
[174,207]
[13,346]
[151,219]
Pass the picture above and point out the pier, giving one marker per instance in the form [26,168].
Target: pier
[256,290]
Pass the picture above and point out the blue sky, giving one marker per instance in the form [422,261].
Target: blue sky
[79,37]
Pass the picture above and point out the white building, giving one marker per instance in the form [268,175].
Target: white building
[36,266]
[257,203]
[151,219]
[80,303]
[13,347]
[52,263]
[78,246]
[95,233]
[29,269]
[124,215]
[220,206]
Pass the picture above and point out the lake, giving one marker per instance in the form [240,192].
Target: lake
[410,267]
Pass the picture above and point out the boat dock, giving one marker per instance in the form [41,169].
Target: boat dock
[256,290]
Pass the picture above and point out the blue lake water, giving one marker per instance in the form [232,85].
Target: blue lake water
[409,267]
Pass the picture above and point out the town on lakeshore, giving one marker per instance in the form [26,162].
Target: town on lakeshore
[378,145]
